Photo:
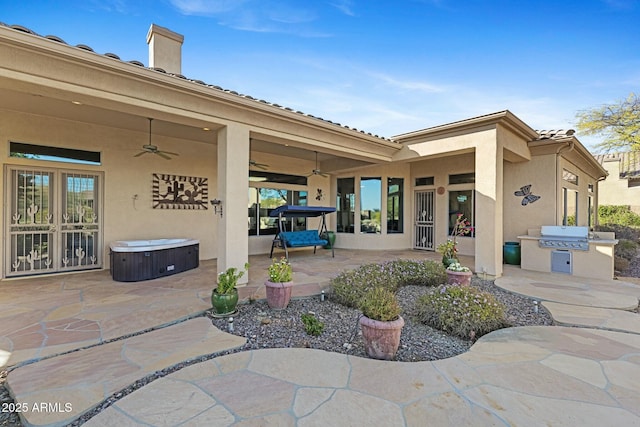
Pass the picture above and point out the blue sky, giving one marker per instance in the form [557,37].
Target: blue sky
[386,67]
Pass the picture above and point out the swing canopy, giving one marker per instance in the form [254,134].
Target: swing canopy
[293,211]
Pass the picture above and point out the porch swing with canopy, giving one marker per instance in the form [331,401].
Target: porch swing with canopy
[297,239]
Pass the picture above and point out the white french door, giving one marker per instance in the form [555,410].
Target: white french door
[424,220]
[52,220]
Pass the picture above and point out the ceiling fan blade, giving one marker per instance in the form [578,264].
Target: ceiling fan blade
[169,153]
[162,154]
[253,163]
[141,153]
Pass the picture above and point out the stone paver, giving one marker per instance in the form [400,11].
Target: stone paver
[572,290]
[599,318]
[553,387]
[80,380]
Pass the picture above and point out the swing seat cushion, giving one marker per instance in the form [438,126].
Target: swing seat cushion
[296,239]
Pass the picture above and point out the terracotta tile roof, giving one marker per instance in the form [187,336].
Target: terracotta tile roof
[629,163]
[200,82]
[555,134]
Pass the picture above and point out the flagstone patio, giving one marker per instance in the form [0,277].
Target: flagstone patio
[517,376]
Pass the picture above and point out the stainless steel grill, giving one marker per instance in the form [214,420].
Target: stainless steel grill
[564,237]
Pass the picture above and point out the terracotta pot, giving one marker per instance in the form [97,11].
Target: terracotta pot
[461,278]
[278,294]
[381,339]
[224,304]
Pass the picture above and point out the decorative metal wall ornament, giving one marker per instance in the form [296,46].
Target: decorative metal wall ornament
[180,192]
[319,195]
[525,193]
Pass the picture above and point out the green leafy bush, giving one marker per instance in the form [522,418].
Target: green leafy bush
[312,326]
[463,311]
[350,286]
[618,214]
[380,304]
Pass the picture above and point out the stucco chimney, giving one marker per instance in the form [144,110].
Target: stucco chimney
[165,49]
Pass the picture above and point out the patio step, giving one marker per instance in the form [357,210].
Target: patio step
[592,317]
[55,391]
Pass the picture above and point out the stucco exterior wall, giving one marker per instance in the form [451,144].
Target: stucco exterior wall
[125,176]
[540,174]
[616,191]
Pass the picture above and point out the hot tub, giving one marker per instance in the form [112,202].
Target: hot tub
[135,260]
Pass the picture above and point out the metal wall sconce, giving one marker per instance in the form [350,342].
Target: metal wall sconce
[217,206]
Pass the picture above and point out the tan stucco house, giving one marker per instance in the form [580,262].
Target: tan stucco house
[622,185]
[249,156]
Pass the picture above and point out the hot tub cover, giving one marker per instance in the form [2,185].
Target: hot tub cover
[292,211]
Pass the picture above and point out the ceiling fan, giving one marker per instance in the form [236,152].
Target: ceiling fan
[153,149]
[317,170]
[253,163]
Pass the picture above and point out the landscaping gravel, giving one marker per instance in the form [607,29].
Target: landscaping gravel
[266,328]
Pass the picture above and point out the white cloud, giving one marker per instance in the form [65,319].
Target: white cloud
[206,7]
[344,6]
[260,16]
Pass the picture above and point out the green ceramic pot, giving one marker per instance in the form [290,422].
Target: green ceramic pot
[224,304]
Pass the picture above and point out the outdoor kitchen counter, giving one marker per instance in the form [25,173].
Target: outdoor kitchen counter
[595,263]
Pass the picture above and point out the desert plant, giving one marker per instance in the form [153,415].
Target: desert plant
[227,280]
[463,311]
[349,286]
[380,304]
[280,271]
[312,326]
[456,266]
[626,249]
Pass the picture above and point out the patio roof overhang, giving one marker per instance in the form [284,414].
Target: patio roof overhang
[49,78]
[575,152]
[463,137]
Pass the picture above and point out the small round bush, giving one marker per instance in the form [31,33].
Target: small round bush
[350,286]
[463,311]
[380,304]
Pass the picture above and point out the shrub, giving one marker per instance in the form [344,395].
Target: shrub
[380,304]
[626,249]
[350,286]
[621,231]
[618,214]
[312,326]
[463,311]
[620,264]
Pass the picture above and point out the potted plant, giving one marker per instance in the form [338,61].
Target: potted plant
[381,323]
[279,284]
[224,297]
[449,249]
[458,274]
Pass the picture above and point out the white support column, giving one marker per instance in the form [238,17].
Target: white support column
[233,187]
[489,208]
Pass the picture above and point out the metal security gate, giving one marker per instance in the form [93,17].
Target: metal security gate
[424,220]
[52,220]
